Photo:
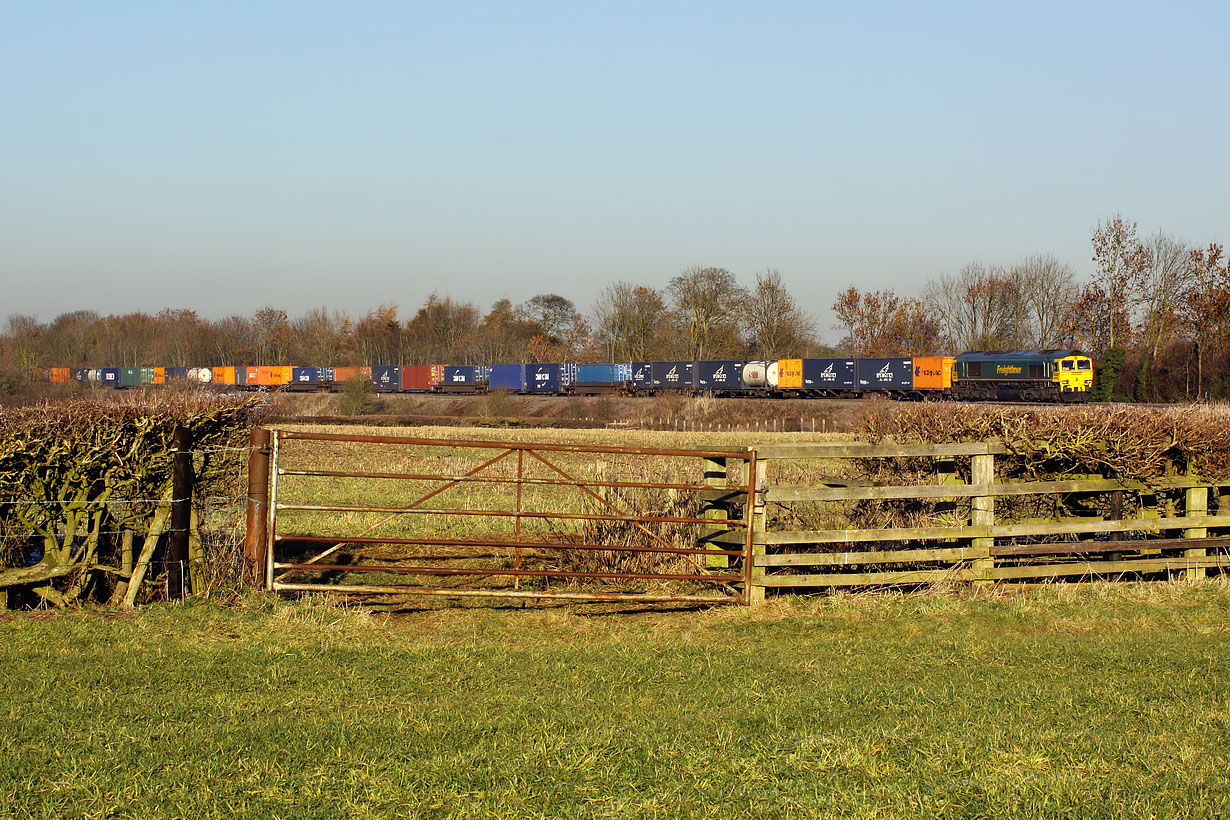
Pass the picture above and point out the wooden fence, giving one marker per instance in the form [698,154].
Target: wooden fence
[961,537]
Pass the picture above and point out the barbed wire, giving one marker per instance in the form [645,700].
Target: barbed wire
[92,502]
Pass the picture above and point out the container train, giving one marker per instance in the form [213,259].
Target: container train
[1030,375]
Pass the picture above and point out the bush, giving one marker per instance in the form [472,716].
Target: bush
[1108,374]
[359,398]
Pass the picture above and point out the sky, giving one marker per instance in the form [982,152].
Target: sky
[224,156]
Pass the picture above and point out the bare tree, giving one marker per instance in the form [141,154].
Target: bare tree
[981,308]
[1162,286]
[776,325]
[1047,290]
[630,322]
[707,301]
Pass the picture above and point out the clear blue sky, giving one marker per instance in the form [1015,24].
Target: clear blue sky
[227,155]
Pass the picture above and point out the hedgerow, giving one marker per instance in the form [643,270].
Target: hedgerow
[83,481]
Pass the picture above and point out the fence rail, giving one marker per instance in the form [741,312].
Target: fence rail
[977,544]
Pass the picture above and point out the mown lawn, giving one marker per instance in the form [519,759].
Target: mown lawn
[1101,701]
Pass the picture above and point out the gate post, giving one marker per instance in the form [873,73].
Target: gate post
[982,514]
[753,475]
[178,578]
[258,507]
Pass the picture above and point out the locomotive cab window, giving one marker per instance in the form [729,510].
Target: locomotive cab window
[1083,364]
[1068,364]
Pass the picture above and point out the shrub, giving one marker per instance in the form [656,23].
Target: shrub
[359,398]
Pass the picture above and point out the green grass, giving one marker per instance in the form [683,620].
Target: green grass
[1097,701]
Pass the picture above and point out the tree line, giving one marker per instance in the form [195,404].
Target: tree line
[1153,311]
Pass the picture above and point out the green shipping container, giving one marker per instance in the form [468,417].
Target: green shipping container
[136,376]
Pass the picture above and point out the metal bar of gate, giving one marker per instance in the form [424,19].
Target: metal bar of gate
[734,522]
[479,542]
[733,452]
[553,482]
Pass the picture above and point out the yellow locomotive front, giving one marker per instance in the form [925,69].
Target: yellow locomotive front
[1074,374]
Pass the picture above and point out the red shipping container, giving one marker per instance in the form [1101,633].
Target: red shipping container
[437,373]
[416,377]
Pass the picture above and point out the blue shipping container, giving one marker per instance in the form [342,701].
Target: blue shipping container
[307,375]
[81,374]
[672,375]
[567,373]
[719,375]
[623,372]
[110,376]
[508,377]
[176,374]
[386,376]
[642,374]
[595,373]
[885,374]
[460,374]
[542,378]
[829,374]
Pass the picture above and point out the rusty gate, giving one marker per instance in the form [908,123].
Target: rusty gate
[396,515]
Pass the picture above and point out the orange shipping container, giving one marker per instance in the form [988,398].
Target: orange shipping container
[160,375]
[790,373]
[345,374]
[932,372]
[61,375]
[437,374]
[268,376]
[223,375]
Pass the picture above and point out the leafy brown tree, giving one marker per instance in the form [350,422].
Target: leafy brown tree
[880,323]
[1113,294]
[1206,303]
[443,331]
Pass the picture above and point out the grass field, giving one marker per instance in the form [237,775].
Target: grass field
[1092,701]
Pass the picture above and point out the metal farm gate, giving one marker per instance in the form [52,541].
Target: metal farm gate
[393,515]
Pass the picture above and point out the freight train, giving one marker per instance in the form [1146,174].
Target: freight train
[1029,375]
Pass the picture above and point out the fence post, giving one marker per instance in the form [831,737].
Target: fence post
[258,506]
[178,578]
[1195,504]
[756,506]
[715,509]
[982,513]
